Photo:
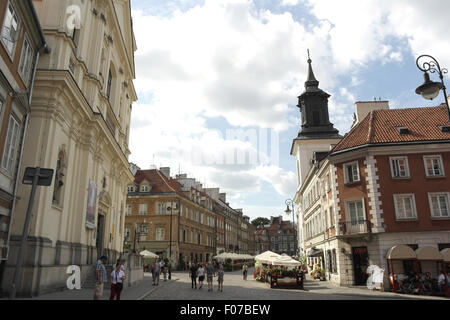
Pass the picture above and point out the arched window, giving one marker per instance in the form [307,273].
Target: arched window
[59,178]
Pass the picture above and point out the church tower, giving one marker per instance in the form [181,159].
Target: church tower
[313,104]
[317,133]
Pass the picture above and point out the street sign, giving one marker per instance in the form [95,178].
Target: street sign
[45,176]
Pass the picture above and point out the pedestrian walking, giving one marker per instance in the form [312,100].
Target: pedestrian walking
[210,275]
[117,277]
[220,274]
[201,276]
[157,272]
[193,274]
[100,272]
[245,271]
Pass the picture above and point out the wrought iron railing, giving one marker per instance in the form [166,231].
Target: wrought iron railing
[354,227]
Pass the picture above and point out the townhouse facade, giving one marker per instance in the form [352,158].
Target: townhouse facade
[79,126]
[262,243]
[382,185]
[180,220]
[281,235]
[21,44]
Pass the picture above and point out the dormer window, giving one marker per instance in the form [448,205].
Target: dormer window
[403,130]
[130,188]
[145,188]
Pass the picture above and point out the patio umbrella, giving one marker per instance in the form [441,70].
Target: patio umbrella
[267,257]
[148,254]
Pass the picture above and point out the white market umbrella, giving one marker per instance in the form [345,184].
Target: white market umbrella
[286,261]
[148,254]
[267,257]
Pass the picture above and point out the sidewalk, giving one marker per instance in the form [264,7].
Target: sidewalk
[136,292]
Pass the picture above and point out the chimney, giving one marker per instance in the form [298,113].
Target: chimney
[223,197]
[165,171]
[363,108]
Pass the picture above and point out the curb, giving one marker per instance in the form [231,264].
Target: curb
[142,297]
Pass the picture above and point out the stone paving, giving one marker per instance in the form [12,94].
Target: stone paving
[135,292]
[235,288]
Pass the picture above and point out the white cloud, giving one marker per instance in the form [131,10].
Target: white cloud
[290,2]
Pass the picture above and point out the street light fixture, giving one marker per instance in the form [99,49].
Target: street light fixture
[288,211]
[430,89]
[138,234]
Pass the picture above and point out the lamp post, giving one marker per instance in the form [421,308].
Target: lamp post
[288,211]
[429,89]
[138,234]
[170,232]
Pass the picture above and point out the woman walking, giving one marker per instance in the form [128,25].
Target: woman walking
[201,275]
[220,274]
[245,271]
[117,277]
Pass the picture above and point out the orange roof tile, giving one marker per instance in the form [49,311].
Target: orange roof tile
[380,127]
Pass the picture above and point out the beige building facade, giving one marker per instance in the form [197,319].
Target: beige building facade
[79,126]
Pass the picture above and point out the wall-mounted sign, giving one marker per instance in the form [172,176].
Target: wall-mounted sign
[91,205]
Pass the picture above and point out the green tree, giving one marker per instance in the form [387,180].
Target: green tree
[261,221]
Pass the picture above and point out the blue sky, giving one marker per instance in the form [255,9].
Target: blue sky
[205,67]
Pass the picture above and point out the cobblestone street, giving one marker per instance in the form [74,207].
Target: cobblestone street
[235,288]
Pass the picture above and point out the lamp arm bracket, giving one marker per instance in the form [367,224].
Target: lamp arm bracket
[431,66]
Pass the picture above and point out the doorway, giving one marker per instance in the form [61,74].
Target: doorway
[100,234]
[360,264]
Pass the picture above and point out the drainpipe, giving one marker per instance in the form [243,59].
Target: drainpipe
[45,49]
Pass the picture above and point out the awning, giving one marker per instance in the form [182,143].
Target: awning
[267,257]
[446,255]
[428,253]
[314,252]
[148,254]
[401,252]
[286,261]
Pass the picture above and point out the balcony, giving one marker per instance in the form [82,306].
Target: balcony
[354,227]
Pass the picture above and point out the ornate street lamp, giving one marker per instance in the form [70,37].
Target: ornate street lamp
[142,232]
[288,211]
[429,89]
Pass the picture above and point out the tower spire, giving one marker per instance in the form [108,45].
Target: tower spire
[311,81]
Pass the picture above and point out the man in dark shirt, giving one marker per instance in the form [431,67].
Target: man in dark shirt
[193,274]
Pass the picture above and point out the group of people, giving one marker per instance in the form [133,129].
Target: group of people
[198,270]
[160,267]
[117,277]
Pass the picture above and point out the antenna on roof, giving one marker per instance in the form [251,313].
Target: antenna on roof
[309,58]
[179,168]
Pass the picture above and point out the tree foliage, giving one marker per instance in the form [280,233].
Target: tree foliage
[261,221]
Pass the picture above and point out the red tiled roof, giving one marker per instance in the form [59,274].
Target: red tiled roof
[380,126]
[160,183]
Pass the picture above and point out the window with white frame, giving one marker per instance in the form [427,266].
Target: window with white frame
[161,208]
[201,218]
[160,233]
[355,211]
[10,29]
[144,188]
[405,207]
[433,166]
[142,208]
[439,204]
[351,172]
[399,167]
[128,210]
[26,59]
[11,145]
[130,188]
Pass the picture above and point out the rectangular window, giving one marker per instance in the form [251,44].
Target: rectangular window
[355,211]
[128,210]
[433,166]
[10,29]
[142,208]
[160,233]
[201,218]
[161,208]
[405,206]
[108,88]
[439,203]
[26,59]
[399,167]
[11,145]
[130,188]
[351,172]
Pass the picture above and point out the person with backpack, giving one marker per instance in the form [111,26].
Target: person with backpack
[117,277]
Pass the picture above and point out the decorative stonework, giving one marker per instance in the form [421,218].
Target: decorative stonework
[373,194]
